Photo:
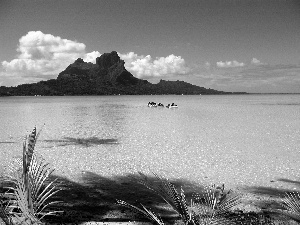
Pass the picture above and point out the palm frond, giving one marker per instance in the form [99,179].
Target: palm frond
[291,203]
[32,138]
[42,190]
[168,193]
[153,216]
[229,202]
[22,203]
[4,212]
[146,212]
[30,185]
[204,208]
[212,206]
[41,214]
[40,204]
[29,145]
[40,196]
[28,150]
[188,216]
[39,174]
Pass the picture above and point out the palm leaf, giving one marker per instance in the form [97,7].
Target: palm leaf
[32,191]
[229,202]
[204,208]
[42,190]
[168,193]
[29,145]
[40,193]
[19,201]
[41,214]
[32,138]
[41,205]
[213,205]
[146,212]
[153,216]
[292,206]
[4,212]
[39,174]
[28,150]
[22,201]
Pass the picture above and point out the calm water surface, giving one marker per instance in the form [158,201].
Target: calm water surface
[239,140]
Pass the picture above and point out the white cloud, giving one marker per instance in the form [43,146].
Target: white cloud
[145,66]
[207,64]
[43,55]
[91,57]
[228,64]
[255,61]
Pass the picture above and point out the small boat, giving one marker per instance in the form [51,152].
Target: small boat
[152,104]
[160,104]
[172,106]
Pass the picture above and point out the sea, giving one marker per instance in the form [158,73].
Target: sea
[239,140]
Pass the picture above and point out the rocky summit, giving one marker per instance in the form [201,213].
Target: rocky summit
[107,77]
[107,60]
[109,69]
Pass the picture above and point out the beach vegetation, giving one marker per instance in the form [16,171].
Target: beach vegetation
[29,190]
[209,207]
[291,206]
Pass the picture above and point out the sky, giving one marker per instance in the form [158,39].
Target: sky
[228,45]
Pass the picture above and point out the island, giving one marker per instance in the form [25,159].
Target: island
[107,77]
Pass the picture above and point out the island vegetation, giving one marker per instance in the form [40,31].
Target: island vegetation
[107,77]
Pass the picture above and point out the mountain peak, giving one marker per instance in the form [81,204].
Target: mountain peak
[108,76]
[79,61]
[107,60]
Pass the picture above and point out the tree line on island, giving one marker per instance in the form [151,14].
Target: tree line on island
[107,77]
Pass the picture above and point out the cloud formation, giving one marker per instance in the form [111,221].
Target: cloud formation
[255,61]
[145,66]
[91,57]
[252,78]
[230,64]
[44,56]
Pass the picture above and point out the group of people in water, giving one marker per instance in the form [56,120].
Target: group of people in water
[153,104]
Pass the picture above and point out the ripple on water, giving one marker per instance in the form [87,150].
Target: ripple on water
[207,139]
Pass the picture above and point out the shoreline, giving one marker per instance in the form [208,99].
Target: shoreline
[254,201]
[92,200]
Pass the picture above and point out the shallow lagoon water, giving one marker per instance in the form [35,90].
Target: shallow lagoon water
[239,140]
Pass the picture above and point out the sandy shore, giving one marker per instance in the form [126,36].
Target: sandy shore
[90,189]
[94,198]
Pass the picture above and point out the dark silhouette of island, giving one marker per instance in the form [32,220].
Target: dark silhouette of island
[107,77]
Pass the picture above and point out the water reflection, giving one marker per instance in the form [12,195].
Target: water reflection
[112,117]
[84,142]
[127,135]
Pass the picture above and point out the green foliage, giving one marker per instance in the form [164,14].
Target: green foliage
[144,211]
[209,208]
[4,211]
[168,192]
[291,205]
[30,190]
[212,206]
